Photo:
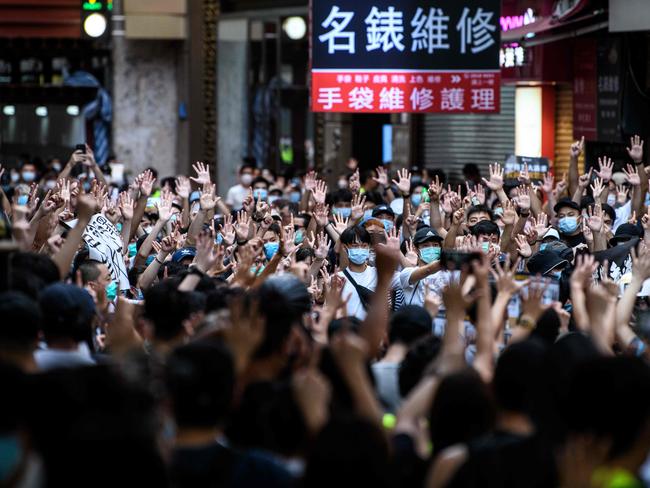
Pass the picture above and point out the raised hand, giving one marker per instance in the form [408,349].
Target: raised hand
[577,147]
[146,183]
[164,207]
[320,214]
[606,169]
[411,254]
[583,180]
[382,176]
[495,183]
[358,201]
[635,150]
[547,185]
[522,198]
[310,181]
[645,221]
[435,190]
[126,206]
[523,247]
[242,226]
[355,182]
[183,187]
[540,224]
[202,174]
[595,219]
[632,175]
[320,192]
[227,230]
[392,239]
[403,182]
[561,186]
[322,246]
[531,303]
[621,194]
[509,213]
[597,188]
[583,271]
[206,254]
[504,278]
[340,223]
[208,198]
[458,216]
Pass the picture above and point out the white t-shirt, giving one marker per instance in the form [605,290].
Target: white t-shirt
[235,196]
[414,293]
[367,279]
[623,214]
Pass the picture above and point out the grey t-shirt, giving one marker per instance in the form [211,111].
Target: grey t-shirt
[387,383]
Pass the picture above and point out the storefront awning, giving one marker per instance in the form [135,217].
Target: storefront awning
[551,29]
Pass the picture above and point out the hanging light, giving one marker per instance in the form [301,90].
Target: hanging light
[41,111]
[9,110]
[295,28]
[95,25]
[72,110]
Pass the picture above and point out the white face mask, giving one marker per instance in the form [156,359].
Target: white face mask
[246,179]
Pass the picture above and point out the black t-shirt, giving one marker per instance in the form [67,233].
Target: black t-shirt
[573,241]
[218,466]
[504,460]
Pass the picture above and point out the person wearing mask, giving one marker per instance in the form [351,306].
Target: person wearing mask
[28,173]
[427,275]
[569,222]
[260,189]
[237,193]
[386,215]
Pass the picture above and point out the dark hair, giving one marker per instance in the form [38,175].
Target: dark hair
[200,380]
[166,308]
[610,398]
[31,272]
[517,376]
[355,234]
[21,321]
[408,324]
[283,299]
[485,227]
[418,357]
[341,195]
[375,197]
[89,271]
[153,170]
[260,179]
[343,460]
[479,208]
[249,163]
[461,411]
[303,253]
[471,169]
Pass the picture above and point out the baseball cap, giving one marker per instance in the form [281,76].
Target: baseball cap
[380,209]
[624,232]
[185,252]
[426,234]
[551,233]
[566,202]
[545,261]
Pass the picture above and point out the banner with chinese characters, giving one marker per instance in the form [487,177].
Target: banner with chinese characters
[537,169]
[408,56]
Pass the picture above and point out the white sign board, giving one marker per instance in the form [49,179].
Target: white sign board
[105,245]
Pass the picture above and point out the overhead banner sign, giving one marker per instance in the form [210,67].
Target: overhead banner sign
[537,169]
[371,56]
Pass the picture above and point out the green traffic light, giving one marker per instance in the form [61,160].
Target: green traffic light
[93,5]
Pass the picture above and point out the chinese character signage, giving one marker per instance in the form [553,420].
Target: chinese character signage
[407,56]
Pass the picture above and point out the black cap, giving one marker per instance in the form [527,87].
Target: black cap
[566,202]
[426,234]
[625,232]
[545,261]
[380,209]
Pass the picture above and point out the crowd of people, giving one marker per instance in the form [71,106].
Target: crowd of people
[394,330]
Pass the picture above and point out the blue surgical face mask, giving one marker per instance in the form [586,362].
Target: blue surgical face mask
[257,270]
[273,198]
[295,196]
[11,453]
[416,199]
[111,291]
[173,218]
[611,199]
[430,254]
[218,239]
[498,211]
[133,249]
[367,214]
[344,212]
[568,225]
[388,224]
[28,176]
[300,236]
[260,193]
[485,246]
[22,200]
[359,255]
[118,226]
[270,248]
[15,177]
[543,246]
[555,274]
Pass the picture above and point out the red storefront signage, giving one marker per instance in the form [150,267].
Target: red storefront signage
[372,56]
[584,90]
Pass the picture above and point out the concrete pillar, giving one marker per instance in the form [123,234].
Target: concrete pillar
[145,103]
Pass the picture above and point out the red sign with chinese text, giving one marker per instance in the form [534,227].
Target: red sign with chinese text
[584,90]
[405,91]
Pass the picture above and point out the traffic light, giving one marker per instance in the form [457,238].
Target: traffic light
[96,19]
